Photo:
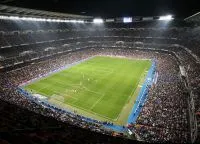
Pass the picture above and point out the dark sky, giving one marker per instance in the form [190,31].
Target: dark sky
[113,8]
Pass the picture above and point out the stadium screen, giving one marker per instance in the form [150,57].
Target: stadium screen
[127,19]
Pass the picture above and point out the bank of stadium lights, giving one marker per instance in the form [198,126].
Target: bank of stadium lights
[166,18]
[98,21]
[127,20]
[39,19]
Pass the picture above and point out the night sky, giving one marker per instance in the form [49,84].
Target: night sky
[112,8]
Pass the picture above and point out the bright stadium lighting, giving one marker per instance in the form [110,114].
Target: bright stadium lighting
[80,21]
[97,21]
[54,20]
[127,19]
[39,19]
[66,21]
[167,18]
[73,21]
[14,17]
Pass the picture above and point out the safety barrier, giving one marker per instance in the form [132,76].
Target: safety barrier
[140,101]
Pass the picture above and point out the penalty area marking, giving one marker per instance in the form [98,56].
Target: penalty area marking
[97,102]
[90,111]
[92,91]
[86,110]
[134,90]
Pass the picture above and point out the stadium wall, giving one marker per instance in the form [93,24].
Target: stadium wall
[140,101]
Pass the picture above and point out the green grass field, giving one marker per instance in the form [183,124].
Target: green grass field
[103,88]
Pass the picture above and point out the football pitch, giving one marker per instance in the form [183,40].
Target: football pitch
[103,88]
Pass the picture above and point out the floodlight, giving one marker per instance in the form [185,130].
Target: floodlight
[14,17]
[66,21]
[97,21]
[127,19]
[168,17]
[39,19]
[73,21]
[80,21]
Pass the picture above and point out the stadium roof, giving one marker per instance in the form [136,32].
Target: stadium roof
[112,8]
[15,11]
[195,17]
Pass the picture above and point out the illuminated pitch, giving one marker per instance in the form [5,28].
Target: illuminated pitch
[103,88]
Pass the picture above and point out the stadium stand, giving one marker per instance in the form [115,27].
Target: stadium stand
[35,49]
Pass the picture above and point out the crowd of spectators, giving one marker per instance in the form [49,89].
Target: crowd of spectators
[37,43]
[164,115]
[19,125]
[165,110]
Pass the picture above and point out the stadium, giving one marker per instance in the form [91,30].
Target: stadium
[68,78]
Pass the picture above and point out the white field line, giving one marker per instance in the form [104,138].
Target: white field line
[101,96]
[86,110]
[37,92]
[72,97]
[65,67]
[141,77]
[102,72]
[131,95]
[57,97]
[67,95]
[72,85]
[63,95]
[108,72]
[75,85]
[126,103]
[105,73]
[101,75]
[79,86]
[89,111]
[92,91]
[97,102]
